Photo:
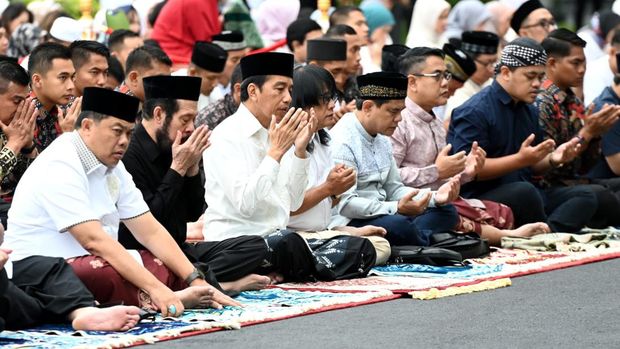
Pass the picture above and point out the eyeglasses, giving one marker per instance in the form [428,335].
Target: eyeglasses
[437,75]
[486,64]
[545,23]
[327,97]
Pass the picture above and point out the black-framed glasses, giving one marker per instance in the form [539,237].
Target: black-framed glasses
[327,97]
[486,64]
[437,75]
[545,23]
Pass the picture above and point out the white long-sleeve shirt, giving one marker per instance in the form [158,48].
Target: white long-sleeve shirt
[248,192]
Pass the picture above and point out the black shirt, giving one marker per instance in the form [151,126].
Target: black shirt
[173,200]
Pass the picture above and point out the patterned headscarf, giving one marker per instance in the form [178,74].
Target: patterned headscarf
[522,52]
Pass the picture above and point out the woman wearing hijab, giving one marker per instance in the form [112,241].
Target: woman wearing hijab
[428,23]
[380,22]
[468,15]
[273,18]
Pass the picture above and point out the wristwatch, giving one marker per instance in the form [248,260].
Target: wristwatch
[196,274]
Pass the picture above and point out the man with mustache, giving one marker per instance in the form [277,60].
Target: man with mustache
[83,192]
[501,119]
[163,159]
[563,116]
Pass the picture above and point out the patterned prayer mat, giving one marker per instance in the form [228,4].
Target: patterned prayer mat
[260,306]
[426,282]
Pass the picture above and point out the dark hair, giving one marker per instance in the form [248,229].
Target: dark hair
[339,30]
[81,50]
[297,31]
[309,82]
[143,57]
[236,76]
[341,14]
[13,11]
[170,106]
[559,42]
[10,71]
[258,80]
[151,42]
[154,12]
[378,102]
[116,69]
[415,59]
[117,38]
[615,39]
[41,57]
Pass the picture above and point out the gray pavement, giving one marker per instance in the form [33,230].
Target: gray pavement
[577,307]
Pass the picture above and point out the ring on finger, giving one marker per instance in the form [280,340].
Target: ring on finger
[172,309]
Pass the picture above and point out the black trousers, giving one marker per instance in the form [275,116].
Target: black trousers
[230,259]
[565,209]
[42,290]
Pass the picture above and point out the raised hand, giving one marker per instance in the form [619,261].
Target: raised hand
[340,179]
[449,165]
[449,191]
[187,155]
[67,120]
[20,131]
[530,155]
[600,122]
[474,161]
[566,152]
[305,135]
[407,206]
[282,135]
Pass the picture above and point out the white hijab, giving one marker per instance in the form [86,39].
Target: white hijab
[423,21]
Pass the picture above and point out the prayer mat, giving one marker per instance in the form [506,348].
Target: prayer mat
[260,306]
[495,271]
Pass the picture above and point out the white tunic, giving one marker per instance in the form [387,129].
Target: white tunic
[318,217]
[65,186]
[248,192]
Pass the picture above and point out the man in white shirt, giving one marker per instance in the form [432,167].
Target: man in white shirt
[248,189]
[82,193]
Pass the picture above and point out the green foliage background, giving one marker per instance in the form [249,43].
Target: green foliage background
[71,6]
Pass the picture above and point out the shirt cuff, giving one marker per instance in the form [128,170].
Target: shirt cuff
[299,165]
[269,167]
[391,207]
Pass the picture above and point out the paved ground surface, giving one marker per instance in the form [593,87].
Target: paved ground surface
[571,308]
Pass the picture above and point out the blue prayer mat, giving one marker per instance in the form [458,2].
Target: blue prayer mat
[259,306]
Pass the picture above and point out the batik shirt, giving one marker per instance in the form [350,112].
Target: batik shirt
[12,167]
[47,128]
[561,116]
[214,113]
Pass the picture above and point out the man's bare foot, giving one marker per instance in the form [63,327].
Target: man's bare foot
[275,278]
[197,297]
[250,282]
[117,318]
[194,230]
[368,230]
[528,230]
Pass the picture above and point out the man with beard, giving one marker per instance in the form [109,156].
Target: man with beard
[164,161]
